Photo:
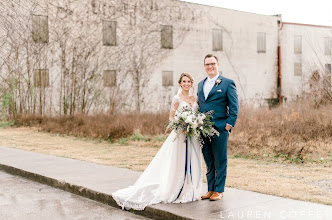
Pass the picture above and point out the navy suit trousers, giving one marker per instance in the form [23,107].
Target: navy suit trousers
[215,156]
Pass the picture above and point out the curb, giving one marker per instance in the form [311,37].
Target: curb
[149,211]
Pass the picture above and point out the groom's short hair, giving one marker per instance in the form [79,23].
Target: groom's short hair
[211,55]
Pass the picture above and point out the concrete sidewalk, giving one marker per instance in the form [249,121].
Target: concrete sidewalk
[97,182]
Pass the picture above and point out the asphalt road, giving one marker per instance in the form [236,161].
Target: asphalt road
[24,199]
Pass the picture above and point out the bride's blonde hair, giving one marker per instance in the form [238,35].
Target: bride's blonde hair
[187,75]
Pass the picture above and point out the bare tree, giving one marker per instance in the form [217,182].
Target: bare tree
[19,56]
[149,31]
[54,54]
[319,69]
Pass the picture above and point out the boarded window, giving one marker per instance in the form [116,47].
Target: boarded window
[328,46]
[109,78]
[298,44]
[216,40]
[297,69]
[167,36]
[109,33]
[167,78]
[261,42]
[40,28]
[41,78]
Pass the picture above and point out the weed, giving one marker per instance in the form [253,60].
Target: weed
[137,136]
[4,124]
[123,141]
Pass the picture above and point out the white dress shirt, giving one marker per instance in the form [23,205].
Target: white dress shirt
[208,85]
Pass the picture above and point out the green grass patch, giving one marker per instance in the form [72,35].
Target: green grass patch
[5,124]
[137,136]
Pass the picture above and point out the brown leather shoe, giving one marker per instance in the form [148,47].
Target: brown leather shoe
[207,195]
[216,196]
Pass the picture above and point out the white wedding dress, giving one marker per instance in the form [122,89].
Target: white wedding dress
[173,176]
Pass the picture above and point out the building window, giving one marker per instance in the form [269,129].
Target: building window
[216,40]
[109,78]
[328,46]
[167,79]
[261,42]
[109,33]
[41,78]
[297,69]
[167,36]
[298,44]
[40,28]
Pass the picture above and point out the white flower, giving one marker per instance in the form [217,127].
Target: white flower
[195,123]
[184,114]
[189,119]
[218,81]
[201,117]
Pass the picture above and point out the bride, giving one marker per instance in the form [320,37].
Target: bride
[174,174]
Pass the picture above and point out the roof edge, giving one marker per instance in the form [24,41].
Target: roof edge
[213,6]
[311,25]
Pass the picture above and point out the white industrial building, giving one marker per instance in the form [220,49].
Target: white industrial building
[95,55]
[306,56]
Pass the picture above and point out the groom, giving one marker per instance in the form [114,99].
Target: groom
[219,94]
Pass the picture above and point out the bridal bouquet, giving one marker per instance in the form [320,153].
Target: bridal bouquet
[193,124]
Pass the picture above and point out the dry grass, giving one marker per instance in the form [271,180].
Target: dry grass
[298,132]
[308,182]
[107,127]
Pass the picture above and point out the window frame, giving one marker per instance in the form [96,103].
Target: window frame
[261,42]
[41,78]
[166,41]
[109,78]
[167,80]
[297,44]
[217,40]
[109,33]
[40,29]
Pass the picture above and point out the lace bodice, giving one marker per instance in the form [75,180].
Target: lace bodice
[178,104]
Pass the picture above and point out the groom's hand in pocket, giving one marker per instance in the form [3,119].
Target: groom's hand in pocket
[228,127]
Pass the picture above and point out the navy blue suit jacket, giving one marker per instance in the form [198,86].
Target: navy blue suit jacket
[223,100]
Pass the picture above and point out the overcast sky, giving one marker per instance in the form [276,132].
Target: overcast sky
[317,12]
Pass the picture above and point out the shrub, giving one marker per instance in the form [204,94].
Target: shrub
[108,127]
[297,131]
